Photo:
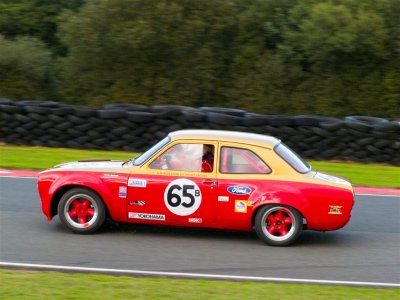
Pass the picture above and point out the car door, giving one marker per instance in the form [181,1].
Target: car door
[241,172]
[175,187]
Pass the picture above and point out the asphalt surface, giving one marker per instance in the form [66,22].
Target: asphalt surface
[367,249]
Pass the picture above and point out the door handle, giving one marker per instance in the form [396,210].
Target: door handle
[210,181]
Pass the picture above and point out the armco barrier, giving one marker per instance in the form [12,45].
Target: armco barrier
[135,127]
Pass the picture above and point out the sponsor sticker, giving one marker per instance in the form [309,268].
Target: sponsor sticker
[335,210]
[110,175]
[137,182]
[122,191]
[136,203]
[195,220]
[144,216]
[223,198]
[240,206]
[239,190]
[182,197]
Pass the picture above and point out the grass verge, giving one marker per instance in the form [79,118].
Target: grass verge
[54,285]
[40,158]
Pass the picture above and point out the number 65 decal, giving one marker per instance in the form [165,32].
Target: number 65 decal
[182,197]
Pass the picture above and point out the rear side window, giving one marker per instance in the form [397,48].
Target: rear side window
[241,161]
[292,158]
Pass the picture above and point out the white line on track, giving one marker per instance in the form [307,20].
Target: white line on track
[378,195]
[20,177]
[192,275]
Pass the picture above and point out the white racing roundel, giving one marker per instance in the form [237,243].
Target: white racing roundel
[182,197]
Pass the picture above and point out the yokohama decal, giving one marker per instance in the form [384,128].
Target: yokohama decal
[144,216]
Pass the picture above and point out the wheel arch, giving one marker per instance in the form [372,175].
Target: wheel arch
[255,211]
[284,196]
[55,200]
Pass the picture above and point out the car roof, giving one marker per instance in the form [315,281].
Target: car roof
[226,136]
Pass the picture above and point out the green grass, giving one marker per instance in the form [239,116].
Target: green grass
[54,285]
[39,158]
[373,175]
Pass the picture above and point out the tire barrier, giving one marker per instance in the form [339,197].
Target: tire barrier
[133,127]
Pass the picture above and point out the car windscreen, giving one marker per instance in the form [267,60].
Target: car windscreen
[292,158]
[149,153]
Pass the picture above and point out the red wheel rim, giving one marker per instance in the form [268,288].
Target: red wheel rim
[279,223]
[81,211]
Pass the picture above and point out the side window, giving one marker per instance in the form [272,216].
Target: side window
[241,161]
[186,157]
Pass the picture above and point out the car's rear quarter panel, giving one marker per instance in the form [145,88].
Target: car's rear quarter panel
[315,202]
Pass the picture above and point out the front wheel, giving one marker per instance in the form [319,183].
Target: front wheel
[81,210]
[278,225]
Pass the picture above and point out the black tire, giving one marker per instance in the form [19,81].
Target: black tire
[87,203]
[84,127]
[140,117]
[280,121]
[37,109]
[127,107]
[37,103]
[11,108]
[223,119]
[389,126]
[321,132]
[6,101]
[168,113]
[63,126]
[84,112]
[366,120]
[63,111]
[223,110]
[360,126]
[255,120]
[294,229]
[22,118]
[306,120]
[111,113]
[37,117]
[195,116]
[332,125]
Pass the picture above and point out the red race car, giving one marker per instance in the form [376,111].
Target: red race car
[201,178]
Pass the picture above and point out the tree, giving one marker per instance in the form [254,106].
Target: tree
[25,69]
[149,51]
[35,18]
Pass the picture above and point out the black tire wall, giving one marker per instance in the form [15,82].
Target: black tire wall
[137,127]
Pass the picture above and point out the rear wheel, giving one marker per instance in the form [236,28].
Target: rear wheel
[81,210]
[278,225]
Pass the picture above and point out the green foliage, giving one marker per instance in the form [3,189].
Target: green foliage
[25,69]
[326,57]
[149,51]
[37,18]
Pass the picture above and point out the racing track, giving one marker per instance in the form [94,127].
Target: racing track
[366,250]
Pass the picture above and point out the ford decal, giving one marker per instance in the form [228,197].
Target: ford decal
[239,190]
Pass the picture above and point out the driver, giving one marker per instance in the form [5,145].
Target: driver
[208,158]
